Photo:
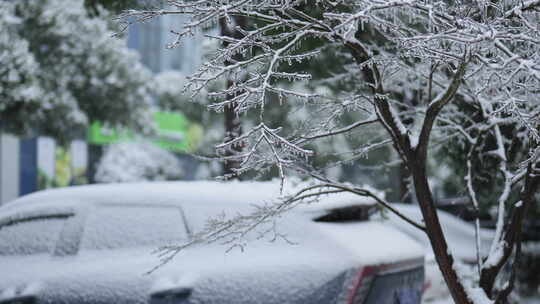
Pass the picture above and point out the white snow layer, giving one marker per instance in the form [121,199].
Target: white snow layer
[296,269]
[136,162]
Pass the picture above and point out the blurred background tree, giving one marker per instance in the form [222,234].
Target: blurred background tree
[60,69]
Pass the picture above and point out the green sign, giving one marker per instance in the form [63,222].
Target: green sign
[173,132]
[101,135]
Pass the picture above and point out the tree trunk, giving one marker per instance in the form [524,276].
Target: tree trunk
[435,234]
[233,129]
[416,159]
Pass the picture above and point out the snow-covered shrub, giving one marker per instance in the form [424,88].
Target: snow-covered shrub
[137,161]
[169,87]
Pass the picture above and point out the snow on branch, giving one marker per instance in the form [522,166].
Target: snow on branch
[235,231]
[422,75]
[263,146]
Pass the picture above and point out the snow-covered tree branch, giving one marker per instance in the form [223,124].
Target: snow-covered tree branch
[431,75]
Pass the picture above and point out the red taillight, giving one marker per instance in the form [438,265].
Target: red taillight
[382,283]
[360,287]
[356,285]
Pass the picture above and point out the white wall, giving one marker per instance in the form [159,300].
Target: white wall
[9,168]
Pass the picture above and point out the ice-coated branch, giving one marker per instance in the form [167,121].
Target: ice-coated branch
[338,131]
[232,231]
[511,238]
[472,196]
[438,74]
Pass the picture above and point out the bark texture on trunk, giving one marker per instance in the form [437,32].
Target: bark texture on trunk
[233,129]
[434,230]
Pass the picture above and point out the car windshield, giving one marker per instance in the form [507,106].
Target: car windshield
[124,226]
[30,236]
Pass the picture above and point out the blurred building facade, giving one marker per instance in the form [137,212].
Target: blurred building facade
[151,40]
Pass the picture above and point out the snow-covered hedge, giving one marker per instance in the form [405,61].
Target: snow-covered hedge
[137,161]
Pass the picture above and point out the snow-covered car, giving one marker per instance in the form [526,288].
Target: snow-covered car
[94,244]
[461,238]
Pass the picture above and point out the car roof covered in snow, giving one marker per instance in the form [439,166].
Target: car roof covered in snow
[147,192]
[459,234]
[228,194]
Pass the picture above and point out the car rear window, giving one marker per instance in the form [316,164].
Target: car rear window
[397,287]
[111,227]
[30,236]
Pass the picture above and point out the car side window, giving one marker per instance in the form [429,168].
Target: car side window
[355,213]
[124,226]
[33,235]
